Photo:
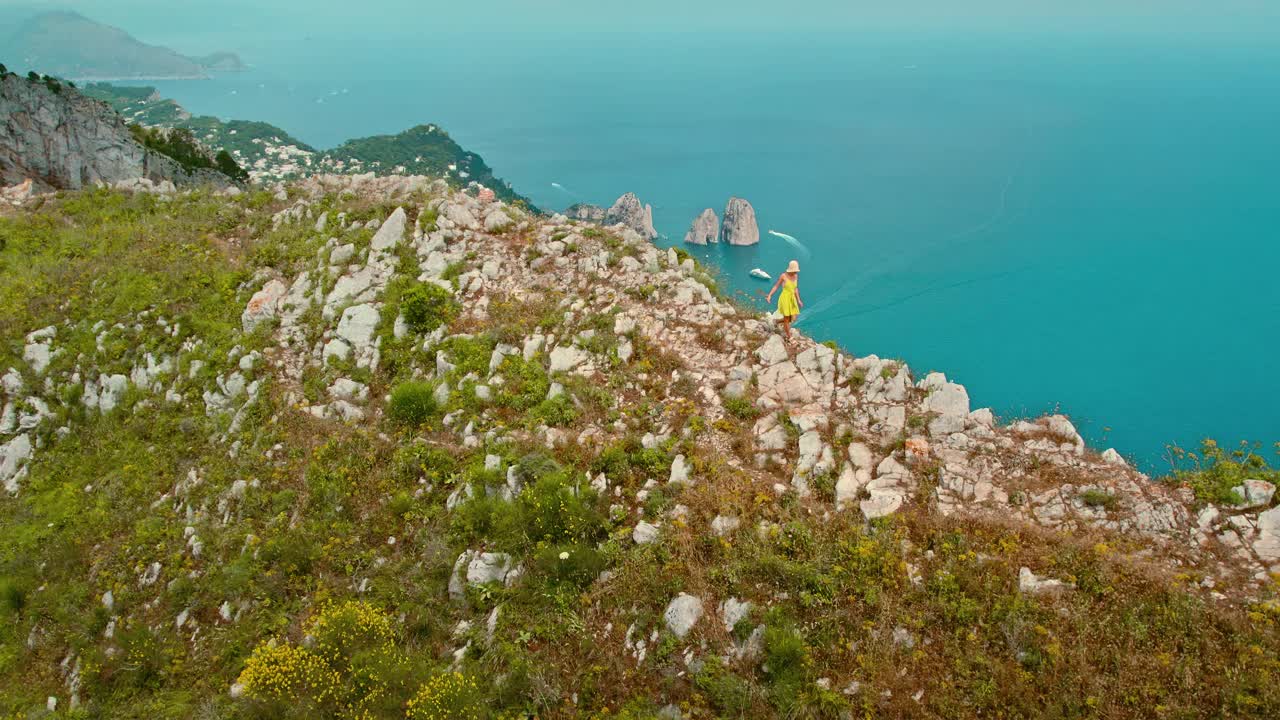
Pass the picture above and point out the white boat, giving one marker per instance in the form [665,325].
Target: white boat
[758,273]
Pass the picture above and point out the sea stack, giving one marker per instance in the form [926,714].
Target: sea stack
[705,229]
[627,210]
[740,226]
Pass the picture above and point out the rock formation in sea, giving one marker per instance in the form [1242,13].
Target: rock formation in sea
[585,212]
[627,210]
[740,226]
[705,229]
[51,133]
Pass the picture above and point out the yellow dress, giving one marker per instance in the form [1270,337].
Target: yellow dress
[788,305]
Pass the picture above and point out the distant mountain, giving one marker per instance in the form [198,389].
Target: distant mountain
[67,44]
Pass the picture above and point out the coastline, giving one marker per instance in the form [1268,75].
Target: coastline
[137,78]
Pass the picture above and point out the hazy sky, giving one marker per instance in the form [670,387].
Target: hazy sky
[1174,17]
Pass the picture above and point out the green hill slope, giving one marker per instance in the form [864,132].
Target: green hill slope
[459,461]
[272,154]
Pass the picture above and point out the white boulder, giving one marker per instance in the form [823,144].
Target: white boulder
[682,614]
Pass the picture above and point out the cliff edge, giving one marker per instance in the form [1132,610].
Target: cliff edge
[51,133]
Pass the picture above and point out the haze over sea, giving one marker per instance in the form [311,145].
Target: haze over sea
[1076,221]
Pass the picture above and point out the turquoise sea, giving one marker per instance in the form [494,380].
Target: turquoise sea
[1087,224]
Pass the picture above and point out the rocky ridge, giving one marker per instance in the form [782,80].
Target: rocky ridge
[822,393]
[849,439]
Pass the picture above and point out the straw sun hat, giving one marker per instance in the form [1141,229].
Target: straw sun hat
[794,267]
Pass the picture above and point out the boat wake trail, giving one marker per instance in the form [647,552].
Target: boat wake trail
[792,241]
[565,190]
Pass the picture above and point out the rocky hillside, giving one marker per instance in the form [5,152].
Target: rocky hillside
[59,138]
[373,447]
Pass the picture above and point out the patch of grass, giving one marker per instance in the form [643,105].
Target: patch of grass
[413,403]
[741,408]
[1095,498]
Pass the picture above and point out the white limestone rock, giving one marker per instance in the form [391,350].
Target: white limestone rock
[629,211]
[773,351]
[1029,583]
[263,305]
[1254,494]
[348,389]
[682,614]
[982,417]
[1266,545]
[342,254]
[887,491]
[770,434]
[13,458]
[1111,457]
[724,525]
[358,324]
[565,358]
[644,533]
[489,568]
[733,611]
[951,403]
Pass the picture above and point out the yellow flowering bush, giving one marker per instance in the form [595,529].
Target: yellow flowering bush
[340,631]
[287,673]
[447,696]
[349,667]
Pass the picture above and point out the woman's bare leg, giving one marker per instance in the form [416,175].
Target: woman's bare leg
[786,328]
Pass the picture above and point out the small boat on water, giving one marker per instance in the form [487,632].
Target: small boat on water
[758,273]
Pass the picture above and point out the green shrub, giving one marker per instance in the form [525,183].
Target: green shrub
[572,564]
[487,518]
[413,403]
[628,459]
[1096,498]
[525,383]
[741,408]
[422,460]
[178,144]
[1214,472]
[729,694]
[427,306]
[555,511]
[468,354]
[785,655]
[12,598]
[536,465]
[554,412]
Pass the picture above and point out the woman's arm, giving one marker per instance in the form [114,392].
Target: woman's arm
[798,300]
[773,289]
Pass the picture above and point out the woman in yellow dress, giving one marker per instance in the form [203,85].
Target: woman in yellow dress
[789,302]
